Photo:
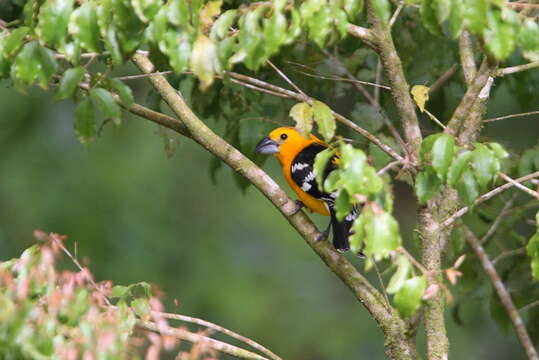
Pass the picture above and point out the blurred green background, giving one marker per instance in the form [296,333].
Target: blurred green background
[226,257]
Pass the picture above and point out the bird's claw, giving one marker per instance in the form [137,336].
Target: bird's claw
[322,236]
[299,205]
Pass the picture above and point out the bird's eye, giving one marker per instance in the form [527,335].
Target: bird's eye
[284,136]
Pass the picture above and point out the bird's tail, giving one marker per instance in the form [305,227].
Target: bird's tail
[341,230]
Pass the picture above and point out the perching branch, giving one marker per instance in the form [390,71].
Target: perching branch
[392,325]
[503,294]
[511,116]
[530,192]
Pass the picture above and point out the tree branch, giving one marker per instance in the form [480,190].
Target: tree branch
[197,338]
[518,68]
[363,34]
[467,60]
[463,110]
[450,220]
[299,97]
[392,325]
[503,294]
[400,89]
[512,116]
[530,192]
[220,329]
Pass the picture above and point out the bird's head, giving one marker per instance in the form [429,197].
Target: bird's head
[284,139]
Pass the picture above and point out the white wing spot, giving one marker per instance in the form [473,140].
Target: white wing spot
[299,166]
[306,186]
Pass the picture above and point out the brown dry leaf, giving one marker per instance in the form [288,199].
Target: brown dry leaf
[452,275]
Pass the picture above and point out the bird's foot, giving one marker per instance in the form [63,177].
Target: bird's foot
[323,236]
[299,205]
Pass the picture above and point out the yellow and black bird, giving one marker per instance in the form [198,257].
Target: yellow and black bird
[297,154]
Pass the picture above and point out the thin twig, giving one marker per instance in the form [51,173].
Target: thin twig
[376,85]
[381,281]
[435,119]
[58,242]
[535,194]
[396,14]
[503,294]
[451,219]
[398,138]
[529,306]
[492,229]
[338,117]
[440,82]
[517,68]
[509,253]
[388,167]
[378,77]
[512,116]
[197,338]
[218,328]
[141,76]
[285,78]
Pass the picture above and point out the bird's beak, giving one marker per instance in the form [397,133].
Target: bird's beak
[267,146]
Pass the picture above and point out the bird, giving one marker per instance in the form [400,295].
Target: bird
[297,154]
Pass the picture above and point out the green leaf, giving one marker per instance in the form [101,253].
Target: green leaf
[113,46]
[529,39]
[85,126]
[84,27]
[475,15]
[382,9]
[53,20]
[467,188]
[343,205]
[368,116]
[427,185]
[302,113]
[359,230]
[178,50]
[274,33]
[428,16]
[119,291]
[179,12]
[141,306]
[222,25]
[203,59]
[294,30]
[456,18]
[15,41]
[323,116]
[340,20]
[426,147]
[68,84]
[320,163]
[404,268]
[484,164]
[124,91]
[34,63]
[146,9]
[382,236]
[527,162]
[320,26]
[442,8]
[458,167]
[533,250]
[500,36]
[443,150]
[353,8]
[408,298]
[310,7]
[104,100]
[498,150]
[251,38]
